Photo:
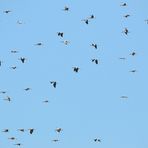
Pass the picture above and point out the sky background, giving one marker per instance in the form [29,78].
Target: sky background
[86,105]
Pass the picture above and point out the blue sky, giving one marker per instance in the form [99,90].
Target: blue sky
[86,105]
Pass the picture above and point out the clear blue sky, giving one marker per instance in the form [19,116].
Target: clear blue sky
[86,105]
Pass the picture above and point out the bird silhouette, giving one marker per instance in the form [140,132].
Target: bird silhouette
[2,92]
[86,21]
[133,53]
[66,8]
[5,130]
[8,98]
[53,83]
[22,59]
[26,89]
[127,15]
[58,130]
[39,44]
[95,61]
[61,34]
[126,31]
[7,11]
[97,140]
[31,130]
[45,101]
[18,144]
[94,45]
[55,140]
[14,51]
[122,58]
[21,130]
[124,4]
[13,67]
[12,138]
[76,69]
[91,17]
[133,71]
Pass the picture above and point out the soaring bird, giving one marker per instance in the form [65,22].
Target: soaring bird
[58,130]
[7,11]
[66,8]
[1,63]
[97,140]
[5,130]
[21,130]
[55,140]
[22,59]
[39,44]
[76,69]
[133,71]
[13,67]
[127,15]
[54,83]
[8,99]
[31,130]
[124,4]
[26,89]
[14,51]
[86,21]
[91,17]
[126,31]
[133,53]
[45,101]
[95,61]
[12,138]
[94,45]
[2,92]
[18,144]
[61,34]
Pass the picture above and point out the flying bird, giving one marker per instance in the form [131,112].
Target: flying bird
[91,17]
[7,11]
[13,67]
[66,8]
[133,71]
[61,34]
[22,59]
[76,69]
[133,53]
[14,51]
[124,97]
[26,89]
[97,140]
[12,138]
[124,4]
[126,31]
[94,45]
[86,21]
[8,99]
[2,92]
[18,144]
[39,44]
[31,130]
[122,58]
[5,130]
[127,15]
[55,140]
[21,130]
[45,101]
[58,130]
[54,83]
[95,61]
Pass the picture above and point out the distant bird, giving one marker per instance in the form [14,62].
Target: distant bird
[127,15]
[39,44]
[66,8]
[54,83]
[124,97]
[126,31]
[94,45]
[91,17]
[61,34]
[45,101]
[5,130]
[97,140]
[12,138]
[122,58]
[26,89]
[8,99]
[14,51]
[2,92]
[76,69]
[95,61]
[133,71]
[86,21]
[21,130]
[7,11]
[58,130]
[13,67]
[124,4]
[55,140]
[133,53]
[18,144]
[31,130]
[66,42]
[22,59]
[1,63]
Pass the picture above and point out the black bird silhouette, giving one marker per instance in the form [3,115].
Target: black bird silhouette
[126,31]
[12,138]
[18,144]
[124,4]
[58,130]
[95,60]
[21,130]
[54,83]
[5,130]
[2,92]
[8,99]
[31,130]
[76,69]
[14,51]
[39,44]
[91,17]
[97,140]
[66,8]
[133,53]
[60,34]
[55,140]
[86,21]
[45,101]
[127,15]
[13,67]
[26,89]
[133,71]
[94,45]
[22,59]
[7,11]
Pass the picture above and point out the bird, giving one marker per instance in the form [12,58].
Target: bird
[26,89]
[39,44]
[1,63]
[97,140]
[14,51]
[2,92]
[5,130]
[60,34]
[18,144]
[122,58]
[7,11]
[58,130]
[13,67]
[95,60]
[124,4]
[22,59]
[66,42]
[133,71]
[127,15]
[91,17]
[126,31]
[8,99]
[124,97]
[54,83]
[76,69]
[86,21]
[55,140]
[31,130]
[45,101]
[21,130]
[94,45]
[66,8]
[12,138]
[133,53]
